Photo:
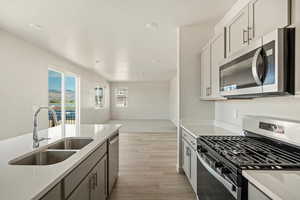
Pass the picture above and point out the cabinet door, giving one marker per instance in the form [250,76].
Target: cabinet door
[187,160]
[266,16]
[194,170]
[100,173]
[183,155]
[217,55]
[84,190]
[237,32]
[54,193]
[113,162]
[205,72]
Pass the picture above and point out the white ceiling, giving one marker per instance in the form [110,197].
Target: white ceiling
[114,32]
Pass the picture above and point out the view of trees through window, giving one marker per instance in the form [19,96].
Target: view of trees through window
[55,91]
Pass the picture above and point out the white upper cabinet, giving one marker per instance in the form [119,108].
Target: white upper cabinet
[217,56]
[237,32]
[244,26]
[258,18]
[206,72]
[266,16]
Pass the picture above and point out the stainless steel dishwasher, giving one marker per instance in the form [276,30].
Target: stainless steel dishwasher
[113,161]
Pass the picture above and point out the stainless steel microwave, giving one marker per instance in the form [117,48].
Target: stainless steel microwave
[266,67]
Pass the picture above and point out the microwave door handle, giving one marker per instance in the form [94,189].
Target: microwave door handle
[254,67]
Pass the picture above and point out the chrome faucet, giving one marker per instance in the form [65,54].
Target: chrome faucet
[36,139]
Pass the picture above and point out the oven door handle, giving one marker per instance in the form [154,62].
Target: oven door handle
[258,60]
[228,185]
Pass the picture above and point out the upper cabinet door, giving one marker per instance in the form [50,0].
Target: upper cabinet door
[237,32]
[266,16]
[217,55]
[206,72]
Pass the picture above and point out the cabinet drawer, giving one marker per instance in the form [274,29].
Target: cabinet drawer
[80,172]
[53,194]
[189,138]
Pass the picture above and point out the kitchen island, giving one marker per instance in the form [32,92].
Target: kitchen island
[24,182]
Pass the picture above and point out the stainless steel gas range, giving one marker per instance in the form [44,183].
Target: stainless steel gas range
[266,144]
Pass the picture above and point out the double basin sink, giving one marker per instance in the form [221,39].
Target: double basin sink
[53,153]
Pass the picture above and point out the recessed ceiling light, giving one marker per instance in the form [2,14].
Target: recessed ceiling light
[36,26]
[152,26]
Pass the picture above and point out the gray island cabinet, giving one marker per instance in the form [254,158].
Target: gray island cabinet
[87,181]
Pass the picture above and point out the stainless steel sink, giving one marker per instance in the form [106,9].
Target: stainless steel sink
[71,143]
[45,157]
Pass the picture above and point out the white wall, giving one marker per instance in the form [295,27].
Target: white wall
[283,107]
[173,100]
[146,100]
[191,41]
[24,84]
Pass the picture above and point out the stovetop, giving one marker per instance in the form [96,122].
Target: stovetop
[249,153]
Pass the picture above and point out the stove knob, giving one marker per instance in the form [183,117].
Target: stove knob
[225,170]
[218,165]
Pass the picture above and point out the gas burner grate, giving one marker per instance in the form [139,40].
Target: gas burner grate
[251,153]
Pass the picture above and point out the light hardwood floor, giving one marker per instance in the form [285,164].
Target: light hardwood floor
[148,169]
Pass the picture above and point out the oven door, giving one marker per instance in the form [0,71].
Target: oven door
[244,74]
[211,185]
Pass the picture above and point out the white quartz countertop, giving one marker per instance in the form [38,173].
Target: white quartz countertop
[198,130]
[278,185]
[32,182]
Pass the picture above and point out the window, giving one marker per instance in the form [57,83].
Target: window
[55,95]
[63,97]
[70,99]
[121,99]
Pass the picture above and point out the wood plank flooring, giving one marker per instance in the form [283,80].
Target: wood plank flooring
[148,169]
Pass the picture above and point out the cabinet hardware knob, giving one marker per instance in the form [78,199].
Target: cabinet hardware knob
[96,179]
[249,31]
[245,40]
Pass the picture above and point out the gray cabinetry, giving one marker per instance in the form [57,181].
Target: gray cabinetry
[88,181]
[93,187]
[83,191]
[113,161]
[80,172]
[100,174]
[54,193]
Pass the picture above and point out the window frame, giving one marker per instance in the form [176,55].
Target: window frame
[116,91]
[77,97]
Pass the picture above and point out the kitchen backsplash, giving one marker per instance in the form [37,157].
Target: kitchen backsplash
[232,111]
